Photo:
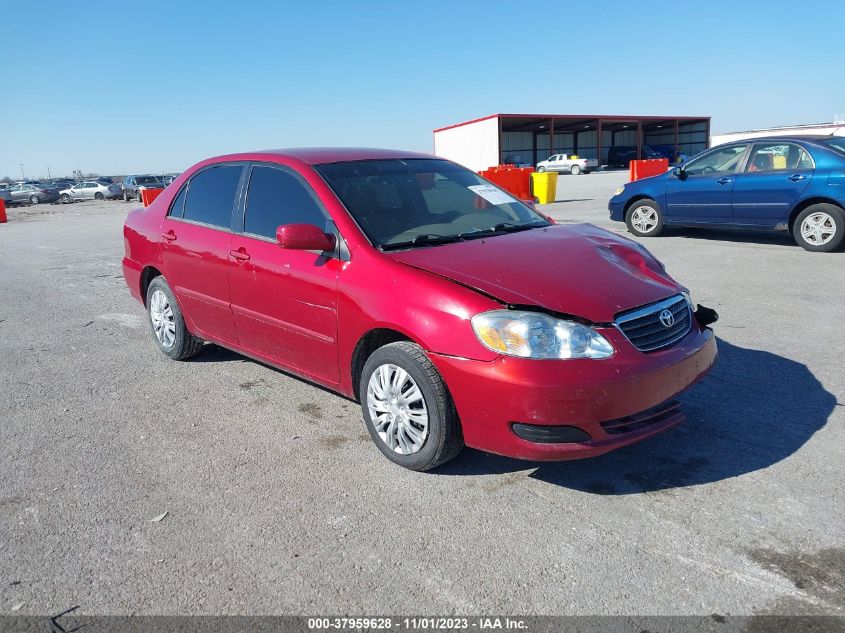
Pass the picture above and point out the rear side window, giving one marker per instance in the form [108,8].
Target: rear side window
[277,197]
[211,195]
[178,206]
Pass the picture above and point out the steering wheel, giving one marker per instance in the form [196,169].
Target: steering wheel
[708,170]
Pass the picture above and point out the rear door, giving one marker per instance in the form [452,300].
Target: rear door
[196,234]
[702,195]
[775,176]
[284,301]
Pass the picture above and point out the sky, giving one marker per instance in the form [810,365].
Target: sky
[132,87]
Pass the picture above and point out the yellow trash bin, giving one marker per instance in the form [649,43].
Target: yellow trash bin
[544,186]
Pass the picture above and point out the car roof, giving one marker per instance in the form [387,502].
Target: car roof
[319,155]
[806,138]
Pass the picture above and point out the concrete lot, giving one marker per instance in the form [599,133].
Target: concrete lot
[278,502]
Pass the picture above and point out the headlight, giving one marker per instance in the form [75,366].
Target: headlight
[620,190]
[536,335]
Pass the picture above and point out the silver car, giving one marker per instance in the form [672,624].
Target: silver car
[90,190]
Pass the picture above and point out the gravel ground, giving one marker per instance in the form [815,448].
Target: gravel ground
[277,501]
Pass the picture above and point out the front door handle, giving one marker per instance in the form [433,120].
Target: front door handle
[241,255]
[170,236]
[796,177]
[724,181]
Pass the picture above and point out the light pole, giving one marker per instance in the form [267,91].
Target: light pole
[22,176]
[49,175]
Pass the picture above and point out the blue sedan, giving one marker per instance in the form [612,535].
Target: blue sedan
[794,184]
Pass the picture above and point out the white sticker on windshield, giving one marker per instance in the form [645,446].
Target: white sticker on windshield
[491,194]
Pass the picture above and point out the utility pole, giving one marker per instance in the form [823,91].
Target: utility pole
[22,176]
[49,175]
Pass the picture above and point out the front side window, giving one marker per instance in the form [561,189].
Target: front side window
[404,203]
[719,161]
[276,197]
[778,156]
[211,195]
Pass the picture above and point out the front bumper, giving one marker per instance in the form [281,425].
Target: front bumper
[631,393]
[616,206]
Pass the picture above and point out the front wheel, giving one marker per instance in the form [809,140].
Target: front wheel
[575,170]
[407,408]
[644,218]
[34,199]
[819,228]
[65,198]
[168,324]
[541,169]
[98,196]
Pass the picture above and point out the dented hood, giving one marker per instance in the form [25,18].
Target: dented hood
[579,270]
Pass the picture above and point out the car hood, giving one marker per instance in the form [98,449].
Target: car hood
[578,270]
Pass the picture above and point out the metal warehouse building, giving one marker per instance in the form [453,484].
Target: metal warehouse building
[525,138]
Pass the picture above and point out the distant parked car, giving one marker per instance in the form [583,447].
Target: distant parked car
[133,185]
[90,190]
[168,178]
[568,164]
[794,183]
[516,161]
[622,155]
[5,196]
[34,194]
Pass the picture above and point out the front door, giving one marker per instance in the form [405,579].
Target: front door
[701,194]
[196,233]
[284,301]
[775,176]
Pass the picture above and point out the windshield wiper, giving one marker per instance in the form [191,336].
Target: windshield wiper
[503,227]
[424,239]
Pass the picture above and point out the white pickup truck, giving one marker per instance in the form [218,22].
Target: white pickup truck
[568,163]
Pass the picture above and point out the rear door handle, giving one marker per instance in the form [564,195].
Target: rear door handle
[724,181]
[796,177]
[241,255]
[170,236]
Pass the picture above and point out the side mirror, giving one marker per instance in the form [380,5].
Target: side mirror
[679,173]
[304,237]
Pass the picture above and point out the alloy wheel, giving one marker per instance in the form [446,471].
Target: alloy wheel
[164,323]
[818,228]
[397,409]
[644,219]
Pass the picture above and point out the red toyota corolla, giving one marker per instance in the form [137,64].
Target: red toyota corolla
[453,312]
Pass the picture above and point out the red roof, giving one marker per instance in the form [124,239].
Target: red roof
[317,155]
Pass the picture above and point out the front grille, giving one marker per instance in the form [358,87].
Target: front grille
[645,329]
[662,413]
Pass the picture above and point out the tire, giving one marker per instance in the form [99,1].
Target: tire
[820,228]
[644,218]
[125,197]
[442,439]
[575,170]
[183,344]
[98,196]
[34,199]
[65,198]
[541,169]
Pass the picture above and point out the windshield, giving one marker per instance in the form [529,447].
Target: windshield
[402,203]
[837,144]
[147,180]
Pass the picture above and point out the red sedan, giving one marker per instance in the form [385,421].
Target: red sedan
[455,313]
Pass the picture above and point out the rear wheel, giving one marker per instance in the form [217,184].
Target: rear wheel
[407,408]
[820,228]
[575,170]
[167,323]
[644,218]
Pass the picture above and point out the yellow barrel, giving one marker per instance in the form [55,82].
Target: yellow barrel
[544,186]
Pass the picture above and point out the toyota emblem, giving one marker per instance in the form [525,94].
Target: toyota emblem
[667,318]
